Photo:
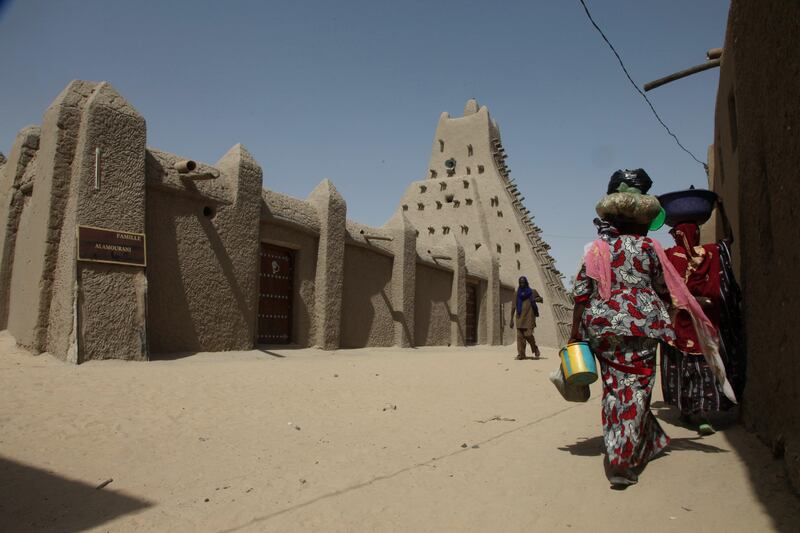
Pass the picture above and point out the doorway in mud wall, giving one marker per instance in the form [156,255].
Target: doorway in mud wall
[276,291]
[472,314]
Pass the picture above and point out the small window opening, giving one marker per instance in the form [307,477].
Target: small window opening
[449,198]
[518,264]
[405,207]
[480,169]
[464,229]
[500,214]
[431,230]
[469,201]
[495,201]
[438,204]
[477,245]
[456,203]
[433,174]
[209,211]
[469,171]
[445,229]
[516,248]
[499,249]
[466,184]
[420,207]
[469,150]
[442,185]
[441,145]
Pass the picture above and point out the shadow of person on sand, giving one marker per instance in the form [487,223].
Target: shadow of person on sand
[721,420]
[593,446]
[585,447]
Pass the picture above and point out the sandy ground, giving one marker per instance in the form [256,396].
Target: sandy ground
[432,439]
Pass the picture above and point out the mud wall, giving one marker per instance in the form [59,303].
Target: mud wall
[432,324]
[16,189]
[202,248]
[40,223]
[507,304]
[482,308]
[366,305]
[181,254]
[759,147]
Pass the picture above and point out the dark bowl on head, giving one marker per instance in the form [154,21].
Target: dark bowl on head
[691,205]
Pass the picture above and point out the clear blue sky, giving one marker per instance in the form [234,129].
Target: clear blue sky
[352,90]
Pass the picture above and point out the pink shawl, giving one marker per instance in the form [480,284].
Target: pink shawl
[598,267]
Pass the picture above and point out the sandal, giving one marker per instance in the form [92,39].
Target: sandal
[623,479]
[706,429]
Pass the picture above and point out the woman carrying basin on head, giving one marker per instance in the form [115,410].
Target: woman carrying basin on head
[621,295]
[621,311]
[687,381]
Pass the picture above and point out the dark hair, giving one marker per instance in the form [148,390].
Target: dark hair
[632,178]
[626,226]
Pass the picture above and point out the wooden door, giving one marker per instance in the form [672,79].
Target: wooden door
[275,295]
[472,314]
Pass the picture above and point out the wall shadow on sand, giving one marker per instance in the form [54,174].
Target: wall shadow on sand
[769,480]
[767,475]
[32,499]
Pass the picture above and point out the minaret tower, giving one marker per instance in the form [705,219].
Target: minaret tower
[468,192]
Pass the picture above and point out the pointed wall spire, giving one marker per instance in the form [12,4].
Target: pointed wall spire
[471,107]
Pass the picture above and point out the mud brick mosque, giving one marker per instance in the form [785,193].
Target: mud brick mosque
[112,249]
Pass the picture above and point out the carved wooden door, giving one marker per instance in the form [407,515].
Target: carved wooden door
[472,314]
[275,295]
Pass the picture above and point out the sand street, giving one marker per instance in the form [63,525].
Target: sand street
[432,439]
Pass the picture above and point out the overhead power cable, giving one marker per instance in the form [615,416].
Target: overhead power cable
[638,90]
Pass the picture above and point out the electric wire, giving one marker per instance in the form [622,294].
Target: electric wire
[643,95]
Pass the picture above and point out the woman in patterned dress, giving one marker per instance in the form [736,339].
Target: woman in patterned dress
[621,294]
[624,330]
[686,379]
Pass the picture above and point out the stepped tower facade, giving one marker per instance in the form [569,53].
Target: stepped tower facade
[113,249]
[469,195]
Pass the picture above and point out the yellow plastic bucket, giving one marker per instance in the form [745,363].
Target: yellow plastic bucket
[578,363]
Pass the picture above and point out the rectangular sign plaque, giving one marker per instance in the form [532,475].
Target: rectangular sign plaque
[100,245]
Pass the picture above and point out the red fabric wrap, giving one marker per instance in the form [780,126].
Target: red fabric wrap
[700,268]
[639,371]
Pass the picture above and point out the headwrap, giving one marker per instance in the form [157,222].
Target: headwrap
[605,229]
[526,293]
[635,179]
[700,268]
[698,262]
[627,198]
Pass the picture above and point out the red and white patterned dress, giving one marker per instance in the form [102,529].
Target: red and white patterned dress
[624,332]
